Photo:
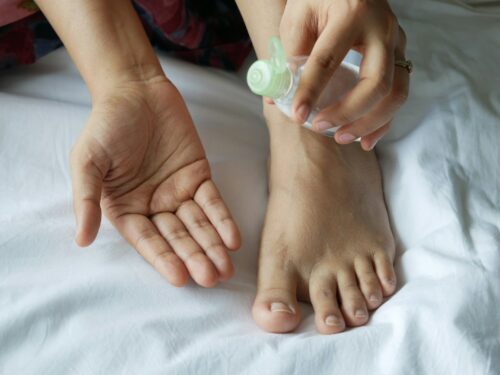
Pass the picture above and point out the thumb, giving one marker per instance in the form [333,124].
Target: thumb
[87,178]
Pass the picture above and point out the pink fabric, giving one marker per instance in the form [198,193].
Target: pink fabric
[14,10]
[173,18]
[206,32]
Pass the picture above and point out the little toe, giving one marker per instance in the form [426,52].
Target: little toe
[275,308]
[323,295]
[368,282]
[199,266]
[353,303]
[203,232]
[385,271]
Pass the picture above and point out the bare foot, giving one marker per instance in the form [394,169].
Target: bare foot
[326,238]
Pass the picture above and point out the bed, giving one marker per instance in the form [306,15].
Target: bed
[104,310]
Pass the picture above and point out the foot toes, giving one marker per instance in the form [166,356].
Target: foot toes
[353,303]
[275,308]
[385,271]
[323,295]
[368,282]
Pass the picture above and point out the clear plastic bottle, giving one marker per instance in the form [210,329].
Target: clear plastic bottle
[278,78]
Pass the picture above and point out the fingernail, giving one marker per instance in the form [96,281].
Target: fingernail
[281,307]
[374,298]
[391,281]
[360,313]
[323,125]
[303,112]
[346,138]
[334,321]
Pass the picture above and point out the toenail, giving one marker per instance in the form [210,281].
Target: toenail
[281,307]
[360,313]
[374,298]
[334,321]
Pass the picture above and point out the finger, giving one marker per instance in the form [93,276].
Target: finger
[297,33]
[376,76]
[369,142]
[199,266]
[141,233]
[203,232]
[382,113]
[208,198]
[87,179]
[327,54]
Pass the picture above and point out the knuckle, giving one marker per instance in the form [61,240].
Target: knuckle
[307,92]
[392,23]
[393,30]
[177,234]
[213,202]
[358,6]
[344,118]
[402,37]
[200,223]
[400,95]
[324,60]
[144,237]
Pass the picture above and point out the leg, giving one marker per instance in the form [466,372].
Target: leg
[326,238]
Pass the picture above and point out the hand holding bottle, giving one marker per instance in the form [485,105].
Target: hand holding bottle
[326,30]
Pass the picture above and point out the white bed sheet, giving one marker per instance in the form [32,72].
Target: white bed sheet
[103,310]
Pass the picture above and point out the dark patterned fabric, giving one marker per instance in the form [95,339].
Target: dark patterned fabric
[205,32]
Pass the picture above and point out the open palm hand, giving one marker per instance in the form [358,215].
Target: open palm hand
[141,160]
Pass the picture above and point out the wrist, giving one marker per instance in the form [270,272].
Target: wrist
[106,40]
[116,78]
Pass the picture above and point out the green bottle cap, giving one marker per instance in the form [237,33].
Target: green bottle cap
[271,77]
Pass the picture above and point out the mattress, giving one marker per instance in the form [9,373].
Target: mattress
[104,310]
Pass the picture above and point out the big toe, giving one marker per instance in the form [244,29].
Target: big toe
[275,308]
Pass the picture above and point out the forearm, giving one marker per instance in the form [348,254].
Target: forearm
[262,18]
[105,39]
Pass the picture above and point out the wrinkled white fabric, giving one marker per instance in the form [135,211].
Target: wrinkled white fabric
[104,310]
